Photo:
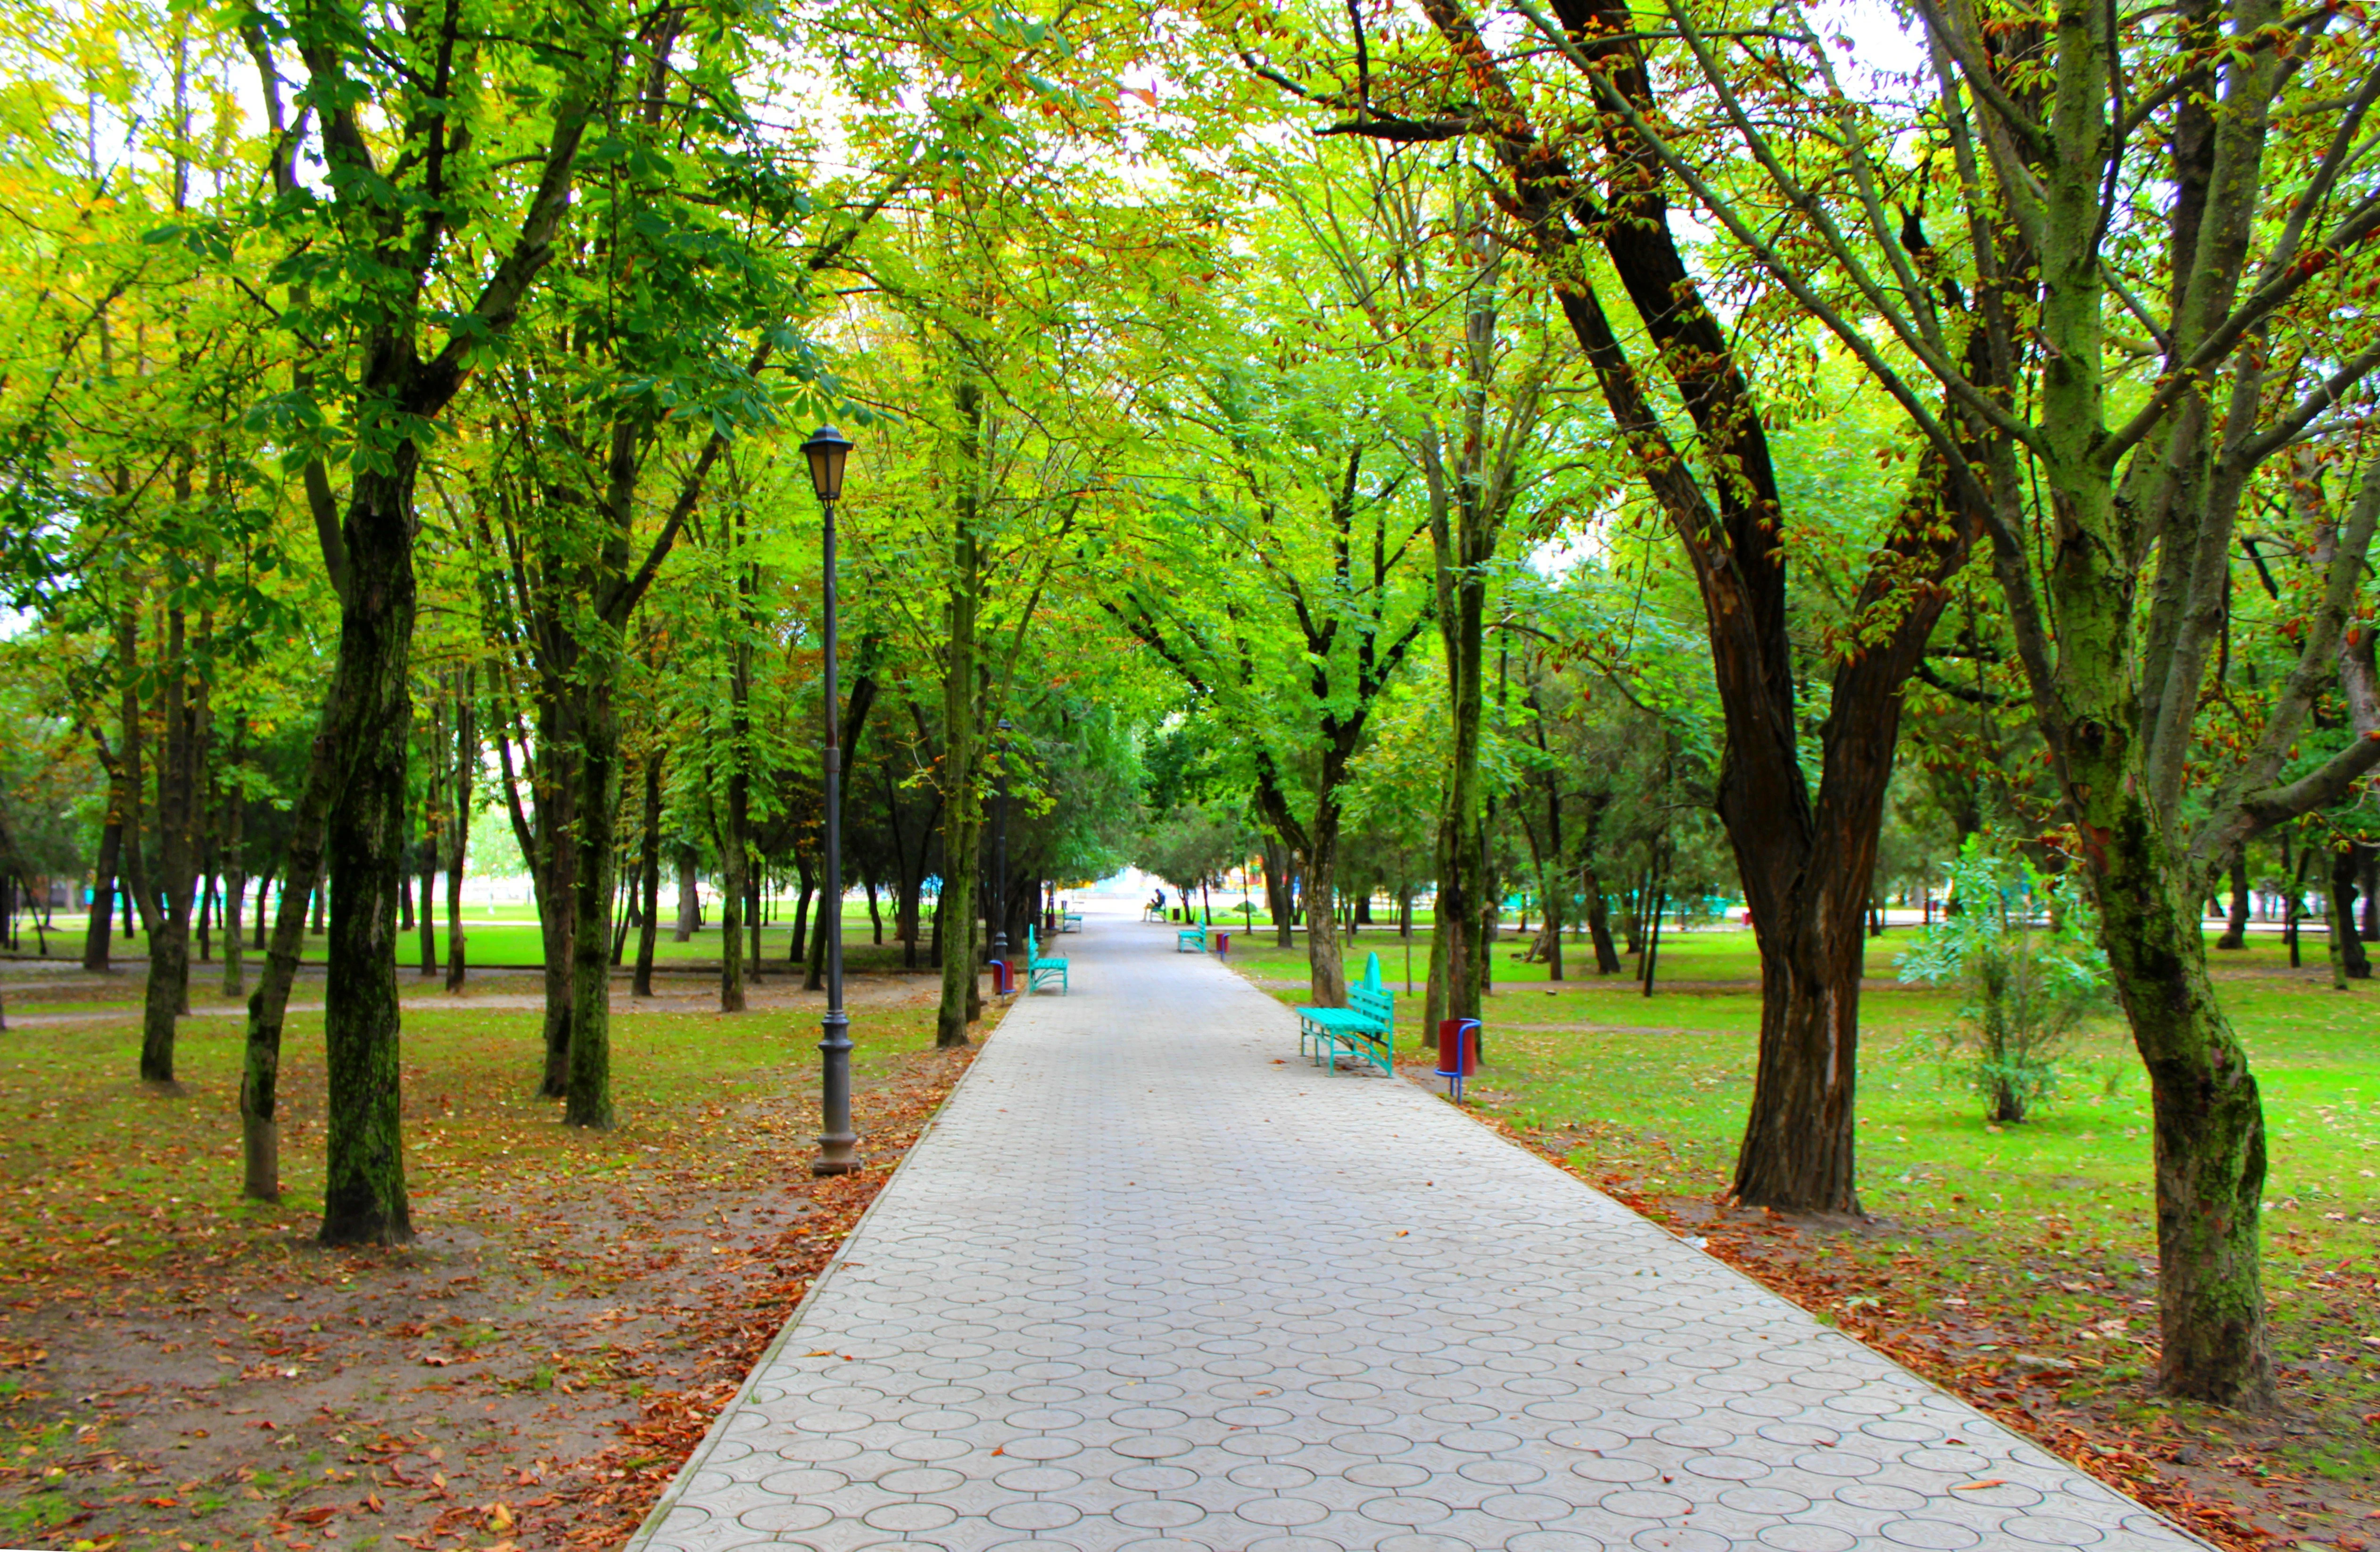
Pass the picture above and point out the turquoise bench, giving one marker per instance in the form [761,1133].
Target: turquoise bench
[1039,971]
[1365,1028]
[1192,937]
[1072,921]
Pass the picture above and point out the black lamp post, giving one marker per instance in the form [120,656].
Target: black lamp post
[826,449]
[999,856]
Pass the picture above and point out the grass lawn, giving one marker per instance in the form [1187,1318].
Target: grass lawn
[2016,1262]
[498,935]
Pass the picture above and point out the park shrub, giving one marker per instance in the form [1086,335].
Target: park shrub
[2021,944]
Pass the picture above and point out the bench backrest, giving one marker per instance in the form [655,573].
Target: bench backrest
[1374,1003]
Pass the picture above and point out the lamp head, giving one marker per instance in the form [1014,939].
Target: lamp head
[826,449]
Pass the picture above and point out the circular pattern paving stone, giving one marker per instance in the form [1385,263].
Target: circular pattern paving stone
[1038,1479]
[1932,1536]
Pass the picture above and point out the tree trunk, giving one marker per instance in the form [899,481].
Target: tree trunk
[322,908]
[1326,970]
[875,918]
[806,894]
[235,888]
[962,811]
[466,763]
[264,889]
[2349,961]
[732,864]
[2209,1120]
[428,914]
[2235,931]
[100,922]
[649,874]
[1278,904]
[1598,923]
[814,969]
[587,1098]
[364,1197]
[689,897]
[268,1005]
[182,707]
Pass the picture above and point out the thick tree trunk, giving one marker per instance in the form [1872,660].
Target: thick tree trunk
[264,889]
[2235,931]
[182,706]
[1326,970]
[364,1197]
[649,874]
[587,1099]
[2209,1123]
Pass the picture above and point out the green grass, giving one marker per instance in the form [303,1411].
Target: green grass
[101,1171]
[506,934]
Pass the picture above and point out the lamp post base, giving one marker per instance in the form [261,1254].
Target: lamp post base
[836,1156]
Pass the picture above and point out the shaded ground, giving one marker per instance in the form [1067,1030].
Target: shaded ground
[178,1369]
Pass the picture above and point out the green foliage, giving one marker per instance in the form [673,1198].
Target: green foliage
[2022,948]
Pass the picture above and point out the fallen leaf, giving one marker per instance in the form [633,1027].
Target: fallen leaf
[1986,1482]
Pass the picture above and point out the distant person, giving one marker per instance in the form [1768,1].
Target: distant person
[1158,905]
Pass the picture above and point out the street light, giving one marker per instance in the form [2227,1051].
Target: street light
[999,856]
[826,449]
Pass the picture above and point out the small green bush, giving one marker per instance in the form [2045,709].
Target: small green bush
[2021,944]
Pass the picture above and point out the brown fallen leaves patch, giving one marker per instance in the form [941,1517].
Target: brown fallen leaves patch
[530,1373]
[604,1497]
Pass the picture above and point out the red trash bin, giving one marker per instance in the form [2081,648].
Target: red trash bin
[1003,979]
[1458,1052]
[1222,944]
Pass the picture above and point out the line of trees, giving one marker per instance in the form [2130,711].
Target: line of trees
[1614,454]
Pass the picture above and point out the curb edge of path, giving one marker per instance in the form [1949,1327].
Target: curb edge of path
[678,1482]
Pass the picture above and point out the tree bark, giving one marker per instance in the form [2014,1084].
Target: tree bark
[2347,959]
[587,1097]
[235,886]
[166,907]
[268,1005]
[463,765]
[2235,931]
[961,810]
[364,1199]
[649,874]
[689,897]
[99,926]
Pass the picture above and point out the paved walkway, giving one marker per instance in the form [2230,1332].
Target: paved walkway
[1146,1286]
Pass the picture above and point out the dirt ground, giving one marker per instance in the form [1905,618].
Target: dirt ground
[528,1375]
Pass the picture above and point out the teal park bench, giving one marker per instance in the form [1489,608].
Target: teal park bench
[1039,970]
[1365,1027]
[1069,921]
[1192,937]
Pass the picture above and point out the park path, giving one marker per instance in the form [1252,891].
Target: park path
[1147,1285]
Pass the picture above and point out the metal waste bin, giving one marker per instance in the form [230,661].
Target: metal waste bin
[1003,979]
[1458,1052]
